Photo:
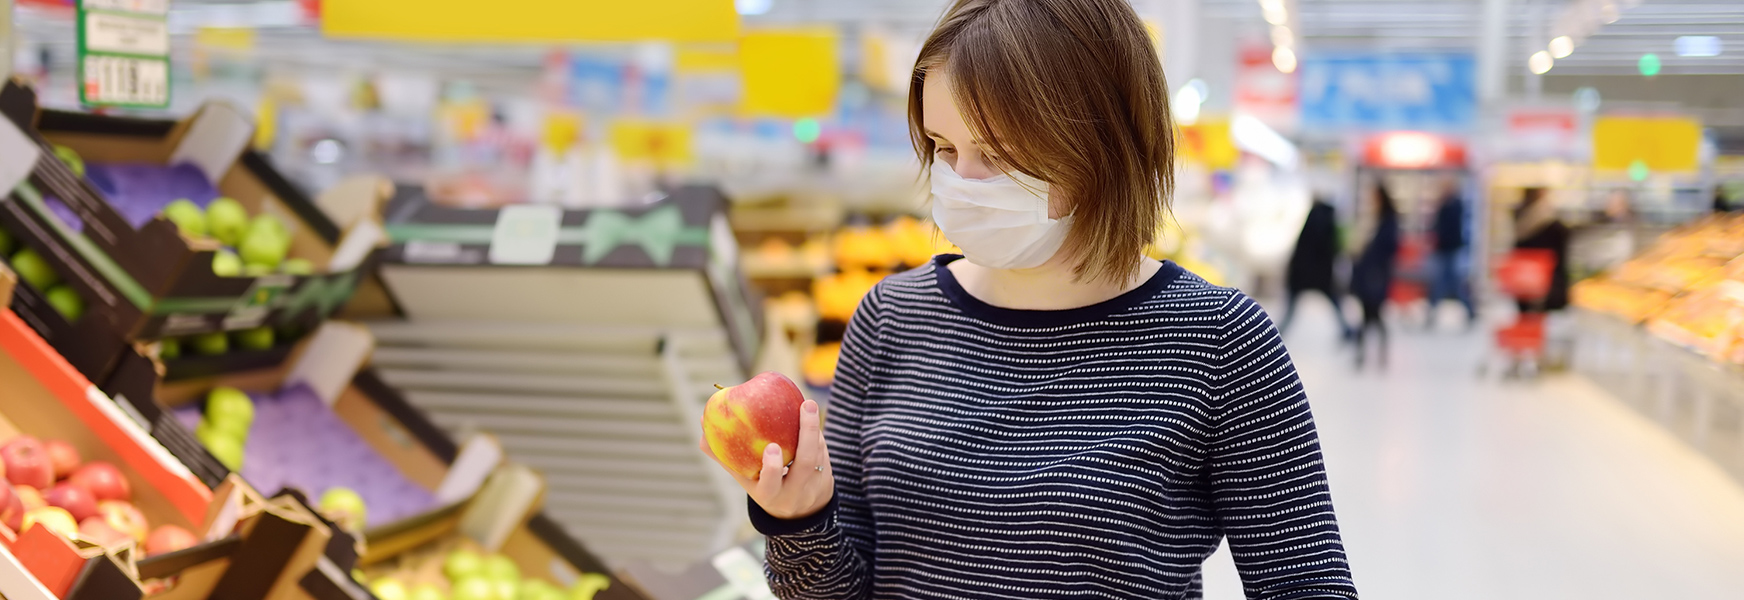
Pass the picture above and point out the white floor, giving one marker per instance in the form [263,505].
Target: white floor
[1448,485]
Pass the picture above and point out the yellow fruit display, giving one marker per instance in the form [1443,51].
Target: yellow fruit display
[820,364]
[838,295]
[864,247]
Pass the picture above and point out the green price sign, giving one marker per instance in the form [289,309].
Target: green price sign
[124,53]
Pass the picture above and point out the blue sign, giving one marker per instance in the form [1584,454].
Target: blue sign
[1432,92]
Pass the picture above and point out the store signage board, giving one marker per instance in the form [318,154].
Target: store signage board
[124,53]
[790,73]
[531,21]
[1379,92]
[1662,144]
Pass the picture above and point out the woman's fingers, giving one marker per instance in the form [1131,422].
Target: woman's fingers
[810,453]
[768,482]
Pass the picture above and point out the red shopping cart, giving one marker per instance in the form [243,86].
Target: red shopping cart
[1524,275]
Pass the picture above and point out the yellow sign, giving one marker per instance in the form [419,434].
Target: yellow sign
[236,39]
[1661,143]
[531,21]
[658,142]
[706,58]
[1208,142]
[792,73]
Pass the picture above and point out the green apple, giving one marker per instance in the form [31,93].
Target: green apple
[259,338]
[461,564]
[211,344]
[588,585]
[264,248]
[539,589]
[67,155]
[473,588]
[499,567]
[230,405]
[507,588]
[298,266]
[226,264]
[268,225]
[169,348]
[222,445]
[358,576]
[343,506]
[254,270]
[66,302]
[7,243]
[188,217]
[388,588]
[34,270]
[227,221]
[428,591]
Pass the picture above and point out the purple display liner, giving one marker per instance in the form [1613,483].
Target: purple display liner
[140,191]
[298,442]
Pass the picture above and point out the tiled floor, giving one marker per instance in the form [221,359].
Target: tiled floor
[1453,486]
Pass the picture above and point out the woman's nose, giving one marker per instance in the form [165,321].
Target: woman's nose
[970,166]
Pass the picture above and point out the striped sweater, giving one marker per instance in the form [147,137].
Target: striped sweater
[1098,452]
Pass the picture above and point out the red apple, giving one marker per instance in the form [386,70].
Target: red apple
[123,517]
[76,500]
[740,421]
[63,456]
[27,462]
[168,538]
[11,508]
[103,480]
[98,531]
[57,520]
[31,498]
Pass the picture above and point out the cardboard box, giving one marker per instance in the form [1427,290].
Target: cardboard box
[147,281]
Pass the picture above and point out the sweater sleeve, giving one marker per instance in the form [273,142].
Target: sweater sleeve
[1267,478]
[829,555]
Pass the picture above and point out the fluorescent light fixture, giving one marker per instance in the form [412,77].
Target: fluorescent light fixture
[1252,135]
[1540,62]
[1561,46]
[753,7]
[1698,45]
[1284,59]
[1187,102]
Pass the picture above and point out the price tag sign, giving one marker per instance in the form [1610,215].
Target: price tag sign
[124,53]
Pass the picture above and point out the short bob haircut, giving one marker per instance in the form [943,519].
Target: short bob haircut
[1069,92]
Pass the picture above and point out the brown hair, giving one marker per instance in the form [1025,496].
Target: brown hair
[1069,92]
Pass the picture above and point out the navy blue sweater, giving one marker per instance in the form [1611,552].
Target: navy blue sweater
[1098,452]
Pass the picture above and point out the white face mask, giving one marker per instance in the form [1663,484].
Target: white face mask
[999,222]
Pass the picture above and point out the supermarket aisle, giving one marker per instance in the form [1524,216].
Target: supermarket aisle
[1453,487]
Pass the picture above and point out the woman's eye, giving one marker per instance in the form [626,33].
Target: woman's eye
[946,151]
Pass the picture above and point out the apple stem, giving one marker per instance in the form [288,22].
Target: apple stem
[718,387]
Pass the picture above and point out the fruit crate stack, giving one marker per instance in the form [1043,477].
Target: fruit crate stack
[589,355]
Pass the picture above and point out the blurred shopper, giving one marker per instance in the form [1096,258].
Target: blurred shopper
[1371,280]
[1311,264]
[1052,414]
[1449,261]
[1537,226]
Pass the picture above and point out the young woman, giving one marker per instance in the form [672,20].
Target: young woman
[1372,276]
[1053,415]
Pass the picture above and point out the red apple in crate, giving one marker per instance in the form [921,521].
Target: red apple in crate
[103,480]
[31,498]
[77,501]
[97,531]
[27,462]
[168,538]
[740,421]
[11,508]
[123,517]
[63,456]
[56,519]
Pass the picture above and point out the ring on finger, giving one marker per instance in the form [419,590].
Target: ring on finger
[820,468]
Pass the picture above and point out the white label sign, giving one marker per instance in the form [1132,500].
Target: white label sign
[156,7]
[126,80]
[126,34]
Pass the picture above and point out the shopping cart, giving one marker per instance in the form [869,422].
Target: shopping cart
[1525,276]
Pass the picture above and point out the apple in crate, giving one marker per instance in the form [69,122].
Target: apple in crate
[740,421]
[11,508]
[34,270]
[123,517]
[56,519]
[462,564]
[212,344]
[103,480]
[230,406]
[63,456]
[388,588]
[27,462]
[65,301]
[75,499]
[188,217]
[226,264]
[344,507]
[168,538]
[227,221]
[98,531]
[31,497]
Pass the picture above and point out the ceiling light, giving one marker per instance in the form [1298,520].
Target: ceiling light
[1609,13]
[1276,17]
[1649,64]
[1277,5]
[1561,46]
[1281,36]
[1284,59]
[1540,62]
[753,7]
[1697,45]
[1186,104]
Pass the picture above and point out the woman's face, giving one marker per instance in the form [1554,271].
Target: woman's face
[957,145]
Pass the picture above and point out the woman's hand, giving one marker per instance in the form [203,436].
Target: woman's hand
[800,490]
